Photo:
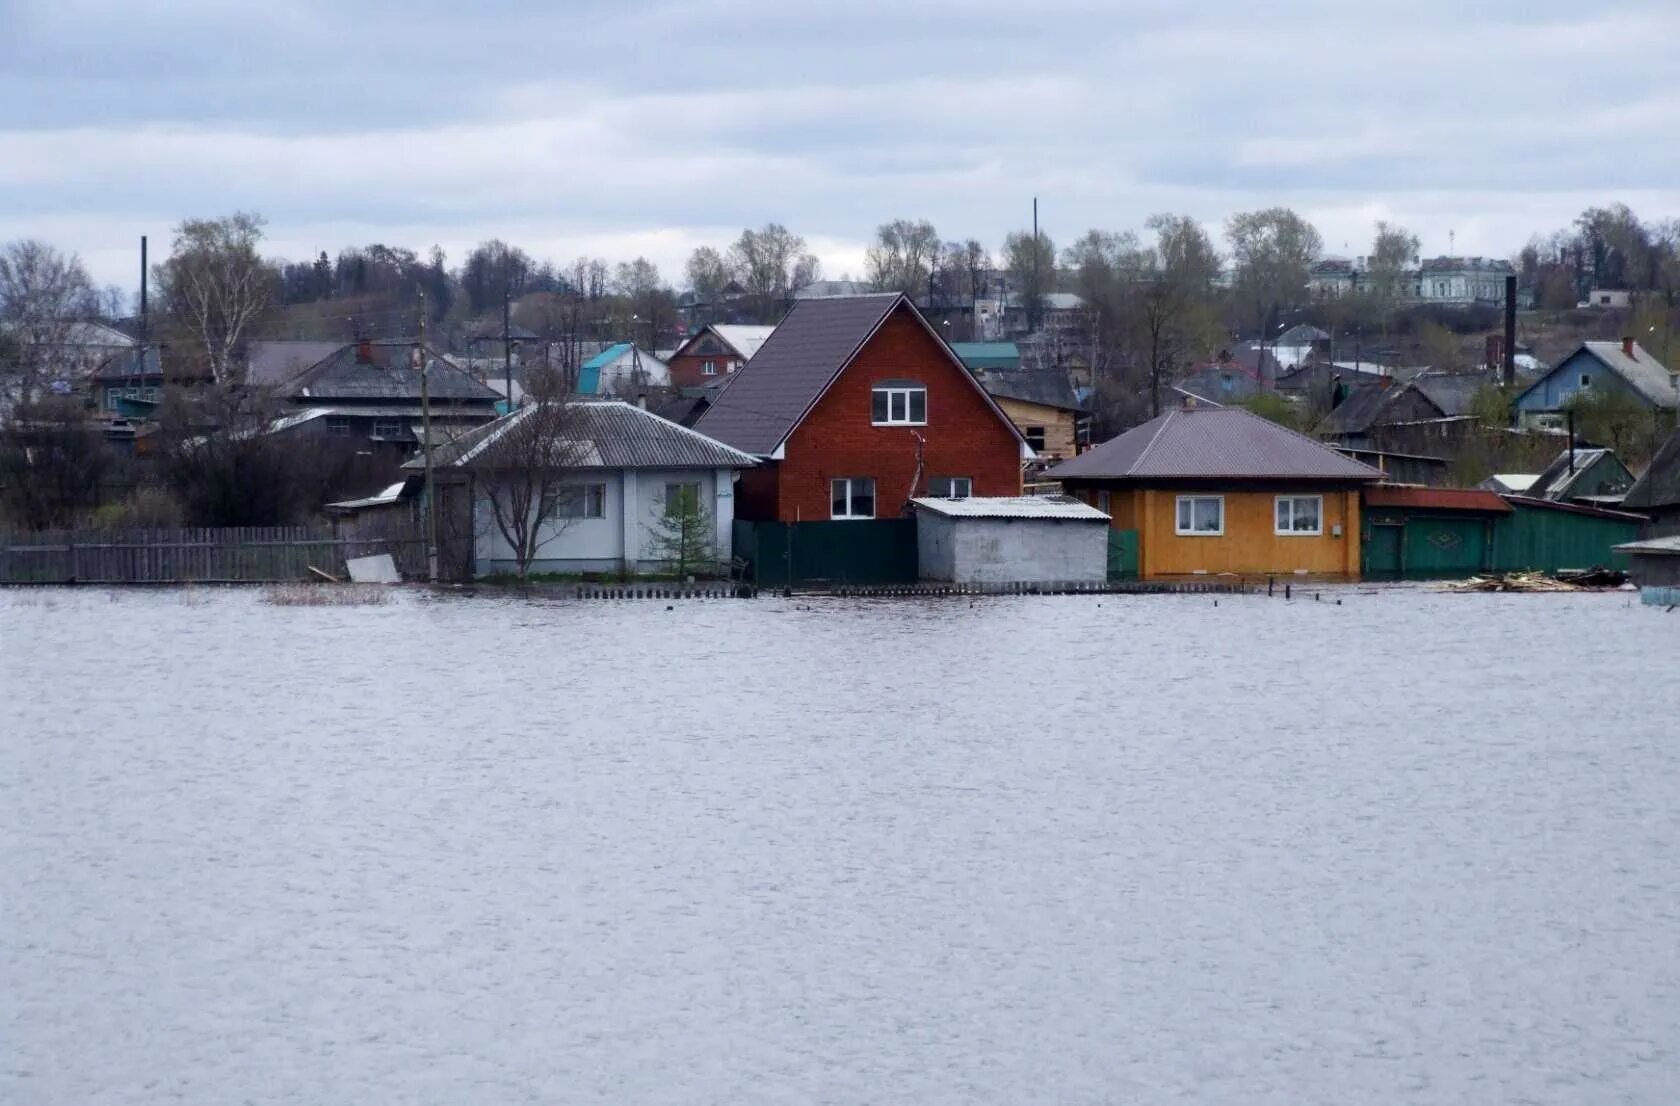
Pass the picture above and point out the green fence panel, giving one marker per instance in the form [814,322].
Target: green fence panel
[1546,540]
[882,551]
[1440,546]
[1122,554]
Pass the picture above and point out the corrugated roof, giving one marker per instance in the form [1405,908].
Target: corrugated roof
[1559,479]
[988,355]
[1642,372]
[1510,481]
[744,340]
[1570,508]
[275,362]
[1659,485]
[607,356]
[1013,506]
[387,376]
[1226,442]
[1658,546]
[1359,411]
[1451,392]
[765,400]
[609,434]
[1438,499]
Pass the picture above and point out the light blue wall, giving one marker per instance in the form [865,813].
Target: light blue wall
[1558,386]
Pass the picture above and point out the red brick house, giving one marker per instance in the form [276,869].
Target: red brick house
[856,406]
[714,352]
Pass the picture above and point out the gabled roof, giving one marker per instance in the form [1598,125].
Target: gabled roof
[1012,506]
[1659,485]
[607,356]
[1452,393]
[1360,410]
[1559,480]
[275,362]
[1045,387]
[1226,442]
[611,433]
[744,340]
[988,355]
[1302,335]
[765,401]
[387,376]
[1640,371]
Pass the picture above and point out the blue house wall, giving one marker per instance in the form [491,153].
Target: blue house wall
[1557,387]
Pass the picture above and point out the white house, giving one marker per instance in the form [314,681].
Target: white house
[621,366]
[627,468]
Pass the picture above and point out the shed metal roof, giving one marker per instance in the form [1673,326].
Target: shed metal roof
[1225,442]
[1669,547]
[1438,499]
[1063,507]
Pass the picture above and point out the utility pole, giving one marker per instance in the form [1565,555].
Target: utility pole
[1032,313]
[507,340]
[418,360]
[145,330]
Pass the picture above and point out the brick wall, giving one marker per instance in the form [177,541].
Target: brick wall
[964,436]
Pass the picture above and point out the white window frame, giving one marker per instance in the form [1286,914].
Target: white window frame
[592,498]
[1178,507]
[1278,527]
[896,392]
[1586,380]
[383,428]
[833,486]
[339,426]
[708,368]
[668,509]
[958,487]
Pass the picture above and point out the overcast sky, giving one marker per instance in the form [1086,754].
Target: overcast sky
[622,128]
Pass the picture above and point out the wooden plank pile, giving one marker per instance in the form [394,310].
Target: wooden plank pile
[1595,579]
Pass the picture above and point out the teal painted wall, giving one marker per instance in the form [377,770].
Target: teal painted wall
[1122,554]
[1547,540]
[881,551]
[1398,543]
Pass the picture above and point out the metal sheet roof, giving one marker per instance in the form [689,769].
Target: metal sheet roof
[1437,499]
[1199,443]
[608,434]
[1013,506]
[1659,484]
[1659,546]
[744,340]
[1642,372]
[387,375]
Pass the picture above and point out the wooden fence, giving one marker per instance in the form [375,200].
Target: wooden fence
[251,554]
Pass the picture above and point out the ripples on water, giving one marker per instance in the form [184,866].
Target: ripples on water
[1416,848]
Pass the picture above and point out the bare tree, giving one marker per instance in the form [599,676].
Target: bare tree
[1392,254]
[707,275]
[53,461]
[525,473]
[1273,250]
[1032,270]
[215,286]
[42,295]
[763,261]
[903,256]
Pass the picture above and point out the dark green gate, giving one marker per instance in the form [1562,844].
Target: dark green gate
[805,554]
[1122,554]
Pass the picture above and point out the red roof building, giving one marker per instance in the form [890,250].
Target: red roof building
[856,407]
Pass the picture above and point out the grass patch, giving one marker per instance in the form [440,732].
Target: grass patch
[327,595]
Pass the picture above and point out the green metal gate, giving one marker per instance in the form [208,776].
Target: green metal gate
[799,554]
[1122,554]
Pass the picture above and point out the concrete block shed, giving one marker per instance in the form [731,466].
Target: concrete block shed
[1021,539]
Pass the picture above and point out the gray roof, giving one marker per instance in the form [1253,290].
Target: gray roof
[1223,443]
[1359,411]
[609,434]
[1451,392]
[1046,387]
[387,376]
[1559,479]
[278,362]
[1013,506]
[1642,372]
[1659,485]
[1662,547]
[768,397]
[1300,335]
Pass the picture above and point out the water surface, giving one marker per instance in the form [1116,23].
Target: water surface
[1415,848]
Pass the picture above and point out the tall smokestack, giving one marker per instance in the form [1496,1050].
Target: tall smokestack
[1509,374]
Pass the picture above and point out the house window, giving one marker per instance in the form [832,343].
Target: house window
[388,428]
[1035,438]
[1103,500]
[898,403]
[681,499]
[1300,514]
[950,487]
[1201,515]
[1586,381]
[338,428]
[852,497]
[709,368]
[111,397]
[735,366]
[1604,301]
[577,501]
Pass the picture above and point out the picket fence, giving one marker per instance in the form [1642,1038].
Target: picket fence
[225,555]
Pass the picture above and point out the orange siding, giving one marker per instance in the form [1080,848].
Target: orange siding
[1249,545]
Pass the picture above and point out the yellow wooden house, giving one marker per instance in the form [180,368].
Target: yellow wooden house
[1213,490]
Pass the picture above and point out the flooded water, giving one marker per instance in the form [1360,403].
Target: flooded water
[1415,848]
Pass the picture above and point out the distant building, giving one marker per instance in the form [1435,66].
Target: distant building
[1624,368]
[1440,281]
[619,367]
[715,350]
[1607,299]
[1591,476]
[1657,492]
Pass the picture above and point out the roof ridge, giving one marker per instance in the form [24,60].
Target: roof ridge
[1155,437]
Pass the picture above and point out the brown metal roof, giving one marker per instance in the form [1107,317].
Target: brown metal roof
[607,433]
[768,397]
[1204,443]
[1436,499]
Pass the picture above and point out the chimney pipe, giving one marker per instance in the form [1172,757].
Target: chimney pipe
[1508,374]
[1627,346]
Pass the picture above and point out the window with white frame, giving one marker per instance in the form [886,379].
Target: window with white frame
[708,368]
[1300,514]
[577,501]
[1201,515]
[852,497]
[1586,381]
[898,403]
[338,428]
[389,428]
[950,487]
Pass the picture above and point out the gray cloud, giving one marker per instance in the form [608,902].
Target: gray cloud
[625,128]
